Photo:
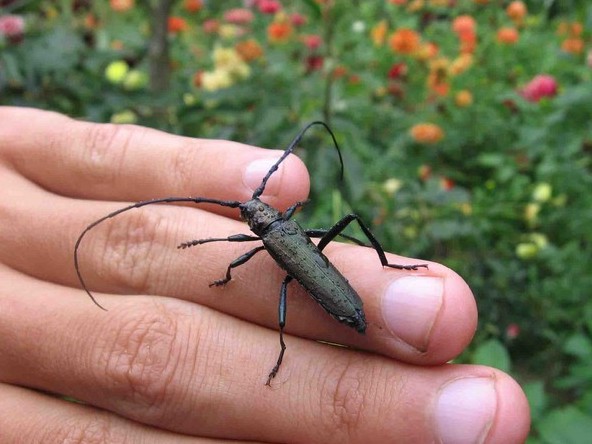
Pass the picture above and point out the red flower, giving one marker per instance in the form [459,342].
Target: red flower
[211,26]
[176,24]
[541,86]
[397,71]
[269,6]
[314,63]
[512,331]
[193,5]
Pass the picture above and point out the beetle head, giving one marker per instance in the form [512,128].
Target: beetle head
[258,215]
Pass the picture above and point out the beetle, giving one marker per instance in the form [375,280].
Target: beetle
[288,244]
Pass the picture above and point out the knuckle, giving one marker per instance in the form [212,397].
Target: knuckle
[344,399]
[142,358]
[125,252]
[104,150]
[80,431]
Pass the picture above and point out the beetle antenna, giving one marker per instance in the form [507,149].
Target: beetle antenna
[197,200]
[259,191]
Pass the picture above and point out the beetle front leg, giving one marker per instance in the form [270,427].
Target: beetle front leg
[235,263]
[282,321]
[340,226]
[233,238]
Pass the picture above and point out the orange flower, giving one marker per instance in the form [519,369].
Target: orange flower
[176,24]
[427,51]
[193,5]
[573,45]
[121,5]
[576,29]
[464,24]
[378,33]
[516,11]
[404,41]
[249,50]
[461,64]
[279,32]
[427,133]
[463,98]
[468,43]
[507,36]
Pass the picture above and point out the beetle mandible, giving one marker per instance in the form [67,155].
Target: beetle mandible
[288,244]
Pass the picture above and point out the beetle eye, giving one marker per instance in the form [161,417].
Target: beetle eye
[260,208]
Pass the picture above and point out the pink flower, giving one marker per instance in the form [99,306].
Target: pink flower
[312,41]
[12,26]
[269,6]
[211,26]
[238,16]
[539,87]
[297,19]
[512,331]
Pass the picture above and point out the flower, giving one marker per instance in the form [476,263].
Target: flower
[397,71]
[540,86]
[216,79]
[211,26]
[463,98]
[269,6]
[404,41]
[239,16]
[297,19]
[542,192]
[427,133]
[279,32]
[507,35]
[512,331]
[176,24]
[461,64]
[193,5]
[446,183]
[464,24]
[249,50]
[527,250]
[312,41]
[378,33]
[573,45]
[516,11]
[121,5]
[12,26]
[117,71]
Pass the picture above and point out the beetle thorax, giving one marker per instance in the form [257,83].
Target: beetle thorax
[259,215]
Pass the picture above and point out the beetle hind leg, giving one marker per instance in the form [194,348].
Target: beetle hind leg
[282,322]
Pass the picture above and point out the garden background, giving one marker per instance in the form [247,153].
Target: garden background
[465,126]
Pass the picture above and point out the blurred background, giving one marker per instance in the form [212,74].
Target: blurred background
[465,127]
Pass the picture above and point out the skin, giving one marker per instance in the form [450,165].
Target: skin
[174,360]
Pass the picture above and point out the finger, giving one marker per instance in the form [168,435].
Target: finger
[132,163]
[425,316]
[28,416]
[192,370]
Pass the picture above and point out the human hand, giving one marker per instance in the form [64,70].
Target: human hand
[174,360]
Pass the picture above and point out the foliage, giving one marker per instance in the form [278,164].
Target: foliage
[465,129]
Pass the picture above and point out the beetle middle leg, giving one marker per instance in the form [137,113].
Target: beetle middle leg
[282,323]
[235,263]
[344,222]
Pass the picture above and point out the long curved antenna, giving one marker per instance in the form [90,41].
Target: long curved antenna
[259,191]
[197,200]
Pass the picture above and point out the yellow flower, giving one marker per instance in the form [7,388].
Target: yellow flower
[215,80]
[461,64]
[542,192]
[378,33]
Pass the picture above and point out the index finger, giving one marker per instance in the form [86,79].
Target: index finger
[132,163]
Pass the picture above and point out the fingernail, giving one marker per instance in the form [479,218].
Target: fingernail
[465,410]
[410,306]
[256,171]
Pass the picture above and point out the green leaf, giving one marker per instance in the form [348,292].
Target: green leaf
[566,426]
[537,398]
[579,345]
[493,354]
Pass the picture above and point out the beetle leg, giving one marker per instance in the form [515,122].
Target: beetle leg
[290,211]
[233,238]
[321,232]
[340,226]
[235,263]
[282,322]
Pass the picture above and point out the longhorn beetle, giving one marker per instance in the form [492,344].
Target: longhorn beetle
[288,244]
